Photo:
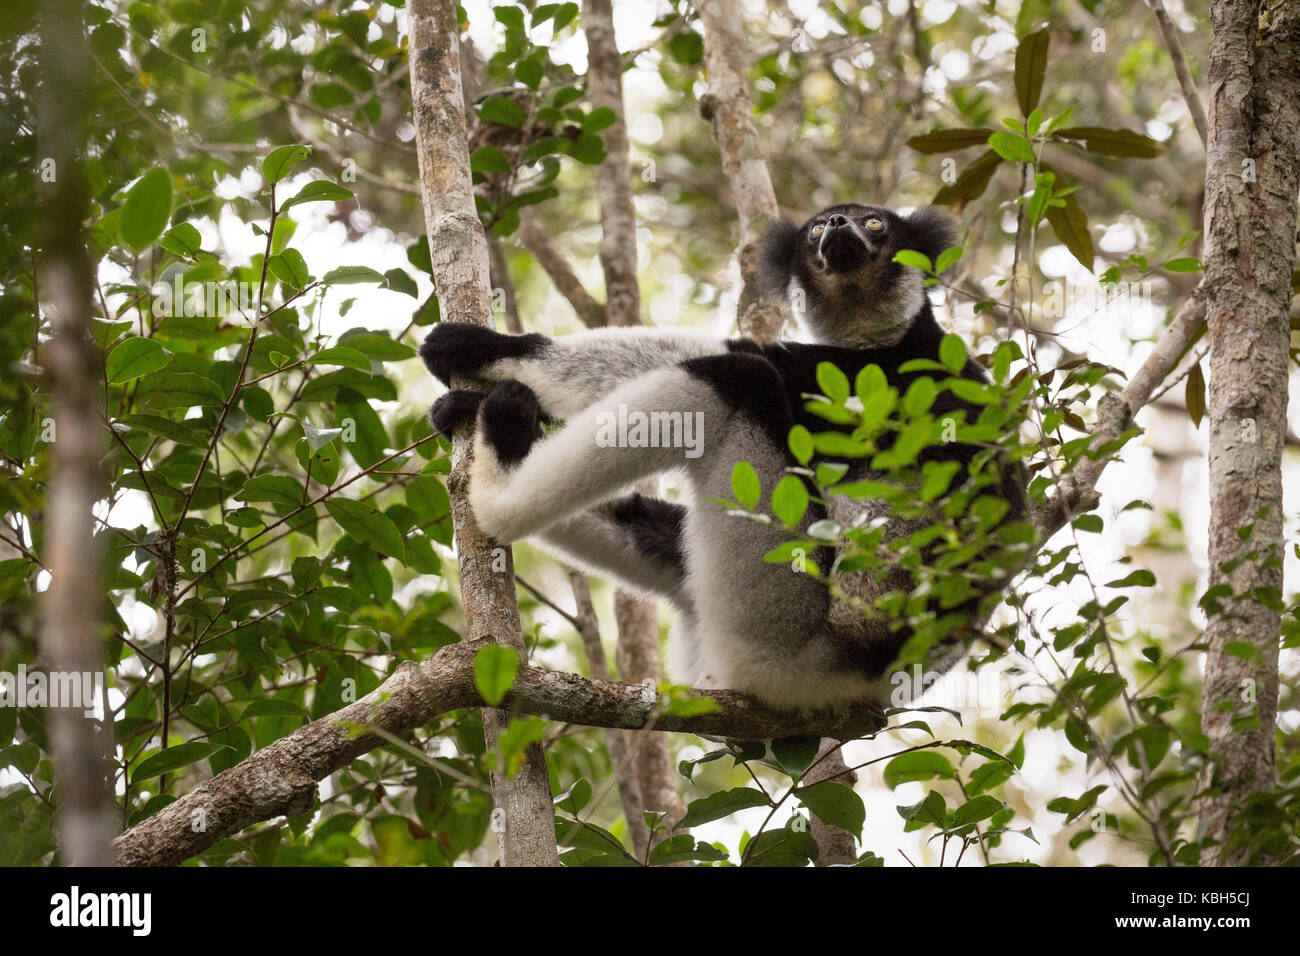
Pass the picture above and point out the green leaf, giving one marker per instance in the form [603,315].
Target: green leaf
[320,190]
[836,804]
[1070,224]
[1031,66]
[289,267]
[488,159]
[1012,146]
[173,758]
[949,140]
[179,390]
[1184,264]
[1141,578]
[781,847]
[279,489]
[147,208]
[427,497]
[910,257]
[588,149]
[502,110]
[952,353]
[833,383]
[682,847]
[367,524]
[795,754]
[346,275]
[917,765]
[280,160]
[578,795]
[134,357]
[789,500]
[166,428]
[340,355]
[181,240]
[801,444]
[973,811]
[947,258]
[495,669]
[744,484]
[529,72]
[722,804]
[1195,394]
[599,119]
[686,47]
[377,345]
[398,280]
[971,183]
[1111,142]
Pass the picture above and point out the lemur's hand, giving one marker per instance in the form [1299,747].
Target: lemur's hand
[462,348]
[454,409]
[511,421]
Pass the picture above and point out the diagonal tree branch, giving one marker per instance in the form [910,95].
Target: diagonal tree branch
[282,778]
[1077,491]
[548,255]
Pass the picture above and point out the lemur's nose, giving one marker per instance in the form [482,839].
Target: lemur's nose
[835,221]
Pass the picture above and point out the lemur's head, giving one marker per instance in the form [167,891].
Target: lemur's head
[850,291]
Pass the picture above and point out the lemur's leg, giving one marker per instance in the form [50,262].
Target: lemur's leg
[566,374]
[635,539]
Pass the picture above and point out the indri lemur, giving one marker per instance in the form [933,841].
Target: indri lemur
[745,624]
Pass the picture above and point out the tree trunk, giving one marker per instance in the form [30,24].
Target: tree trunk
[459,253]
[1252,174]
[70,642]
[729,108]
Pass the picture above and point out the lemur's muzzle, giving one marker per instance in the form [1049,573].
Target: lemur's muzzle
[844,246]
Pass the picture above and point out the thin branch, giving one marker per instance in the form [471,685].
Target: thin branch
[1175,46]
[549,257]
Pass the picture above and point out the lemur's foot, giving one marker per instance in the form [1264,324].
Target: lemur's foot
[454,409]
[510,420]
[463,348]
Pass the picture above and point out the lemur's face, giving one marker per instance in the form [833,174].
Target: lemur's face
[848,286]
[843,239]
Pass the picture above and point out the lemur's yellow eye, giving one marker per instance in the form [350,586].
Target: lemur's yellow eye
[875,223]
[817,230]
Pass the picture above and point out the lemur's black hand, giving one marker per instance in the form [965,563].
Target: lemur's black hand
[453,410]
[511,420]
[512,417]
[462,348]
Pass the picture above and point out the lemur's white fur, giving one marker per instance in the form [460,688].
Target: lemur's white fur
[578,369]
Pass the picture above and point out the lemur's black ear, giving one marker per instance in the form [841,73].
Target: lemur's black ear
[776,255]
[931,230]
